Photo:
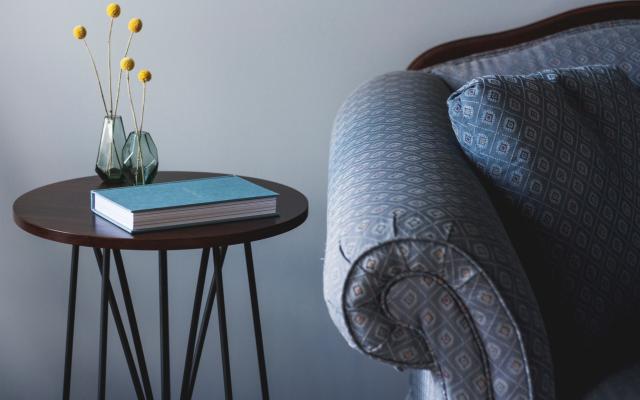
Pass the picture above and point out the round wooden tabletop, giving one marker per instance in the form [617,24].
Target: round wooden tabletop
[61,212]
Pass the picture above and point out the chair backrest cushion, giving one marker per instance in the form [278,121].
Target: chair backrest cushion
[613,42]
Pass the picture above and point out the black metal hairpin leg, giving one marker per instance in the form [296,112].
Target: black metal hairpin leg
[193,355]
[71,315]
[222,324]
[102,365]
[203,327]
[117,318]
[195,316]
[257,329]
[194,349]
[164,325]
[133,324]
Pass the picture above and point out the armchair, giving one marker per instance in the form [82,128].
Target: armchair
[420,270]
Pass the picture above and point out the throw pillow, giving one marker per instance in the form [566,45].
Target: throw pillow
[560,151]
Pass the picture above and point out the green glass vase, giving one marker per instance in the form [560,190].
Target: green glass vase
[140,158]
[109,162]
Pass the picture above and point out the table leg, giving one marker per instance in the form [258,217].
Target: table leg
[191,363]
[122,333]
[257,329]
[102,365]
[222,324]
[195,316]
[202,334]
[71,316]
[133,325]
[164,325]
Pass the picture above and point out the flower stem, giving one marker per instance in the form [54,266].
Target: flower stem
[126,52]
[95,69]
[109,62]
[144,96]
[110,147]
[133,111]
[139,160]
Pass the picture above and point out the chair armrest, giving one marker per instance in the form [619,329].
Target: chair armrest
[419,271]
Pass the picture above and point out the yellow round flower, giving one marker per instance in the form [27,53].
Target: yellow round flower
[79,32]
[135,25]
[113,10]
[127,64]
[144,75]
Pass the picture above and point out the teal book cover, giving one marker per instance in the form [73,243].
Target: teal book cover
[184,193]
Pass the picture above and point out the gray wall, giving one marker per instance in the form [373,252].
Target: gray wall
[247,87]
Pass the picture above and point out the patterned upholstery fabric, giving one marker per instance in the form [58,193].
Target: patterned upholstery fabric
[563,151]
[616,42]
[419,272]
[402,197]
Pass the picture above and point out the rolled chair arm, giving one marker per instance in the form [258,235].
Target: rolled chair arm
[419,271]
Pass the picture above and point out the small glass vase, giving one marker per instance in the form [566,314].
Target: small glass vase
[140,158]
[109,162]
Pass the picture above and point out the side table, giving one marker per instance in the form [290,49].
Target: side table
[60,212]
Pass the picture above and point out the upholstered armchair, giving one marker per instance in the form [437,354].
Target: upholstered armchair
[424,272]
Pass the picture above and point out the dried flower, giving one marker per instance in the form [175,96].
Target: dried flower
[144,75]
[135,25]
[79,32]
[127,64]
[113,10]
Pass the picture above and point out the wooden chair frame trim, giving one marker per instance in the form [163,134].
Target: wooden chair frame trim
[571,19]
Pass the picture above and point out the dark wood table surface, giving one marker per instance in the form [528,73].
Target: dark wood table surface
[61,212]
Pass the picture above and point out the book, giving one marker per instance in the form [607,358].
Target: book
[183,203]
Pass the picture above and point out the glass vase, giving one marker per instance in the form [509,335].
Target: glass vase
[109,162]
[140,158]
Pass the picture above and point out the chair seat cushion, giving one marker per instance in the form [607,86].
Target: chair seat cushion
[560,151]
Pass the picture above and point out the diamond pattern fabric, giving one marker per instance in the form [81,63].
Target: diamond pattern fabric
[613,42]
[561,149]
